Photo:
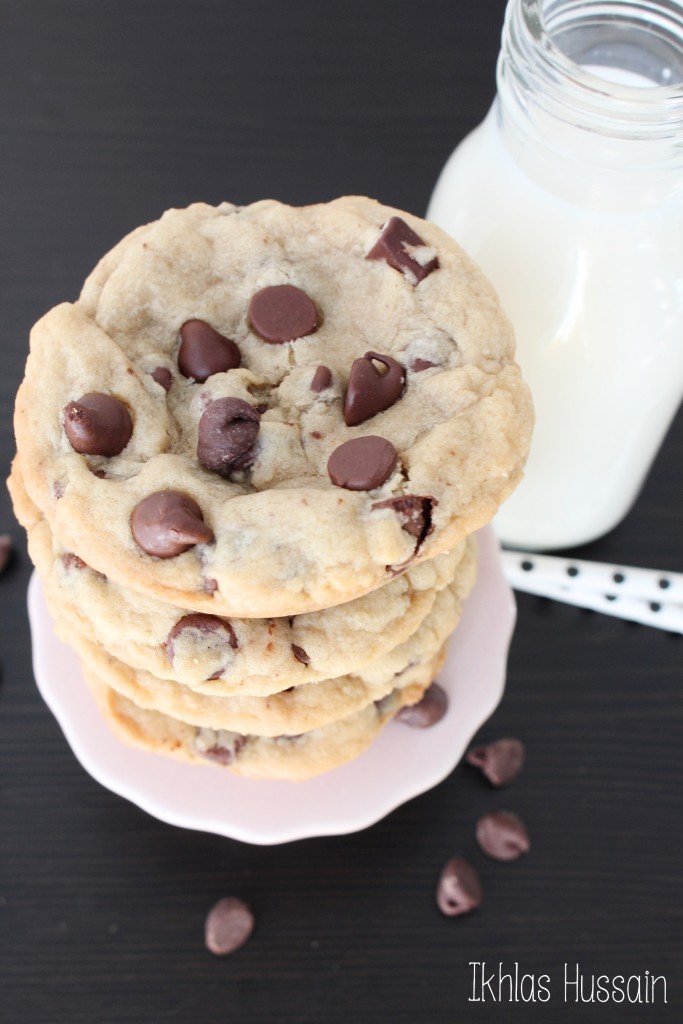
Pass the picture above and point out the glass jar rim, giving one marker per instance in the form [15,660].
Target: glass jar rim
[531,33]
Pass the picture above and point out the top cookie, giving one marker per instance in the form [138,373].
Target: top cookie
[263,411]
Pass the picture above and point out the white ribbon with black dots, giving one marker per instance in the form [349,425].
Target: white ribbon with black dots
[642,595]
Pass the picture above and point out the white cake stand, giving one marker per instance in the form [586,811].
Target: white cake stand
[402,763]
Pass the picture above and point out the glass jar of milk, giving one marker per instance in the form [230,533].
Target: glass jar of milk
[570,197]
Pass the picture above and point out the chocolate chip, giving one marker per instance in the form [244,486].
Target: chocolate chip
[300,654]
[397,244]
[322,379]
[502,835]
[426,712]
[228,430]
[418,365]
[500,762]
[6,548]
[415,513]
[371,390]
[72,561]
[162,376]
[167,523]
[282,313]
[459,890]
[228,926]
[97,424]
[362,463]
[209,625]
[203,351]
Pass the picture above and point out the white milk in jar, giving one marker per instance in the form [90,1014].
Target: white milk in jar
[570,197]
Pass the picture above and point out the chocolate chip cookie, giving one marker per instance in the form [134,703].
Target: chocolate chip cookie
[295,757]
[235,657]
[264,411]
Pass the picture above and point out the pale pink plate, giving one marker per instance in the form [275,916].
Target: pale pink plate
[402,763]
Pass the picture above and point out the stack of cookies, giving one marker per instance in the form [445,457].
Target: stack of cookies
[250,461]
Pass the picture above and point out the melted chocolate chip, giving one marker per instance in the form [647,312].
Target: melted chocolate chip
[162,375]
[322,379]
[503,835]
[428,711]
[362,463]
[459,890]
[209,625]
[282,313]
[167,523]
[227,434]
[72,561]
[371,390]
[418,365]
[396,245]
[219,745]
[228,926]
[97,424]
[300,654]
[203,351]
[500,762]
[415,514]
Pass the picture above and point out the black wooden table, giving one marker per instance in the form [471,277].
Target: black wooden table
[109,113]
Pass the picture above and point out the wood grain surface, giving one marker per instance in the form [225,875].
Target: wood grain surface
[109,113]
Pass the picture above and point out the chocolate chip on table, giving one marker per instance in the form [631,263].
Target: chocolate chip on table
[282,313]
[459,890]
[502,835]
[167,523]
[362,463]
[415,514]
[162,375]
[370,389]
[396,245]
[300,654]
[6,549]
[322,379]
[97,424]
[500,762]
[227,434]
[428,711]
[209,625]
[203,351]
[228,925]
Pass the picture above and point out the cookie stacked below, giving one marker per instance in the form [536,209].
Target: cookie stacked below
[250,460]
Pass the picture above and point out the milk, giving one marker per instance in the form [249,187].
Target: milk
[590,270]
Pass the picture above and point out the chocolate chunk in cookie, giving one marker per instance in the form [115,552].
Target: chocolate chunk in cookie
[227,434]
[98,424]
[322,379]
[282,313]
[372,388]
[300,654]
[362,463]
[415,514]
[203,351]
[163,376]
[403,249]
[167,523]
[428,711]
[214,628]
